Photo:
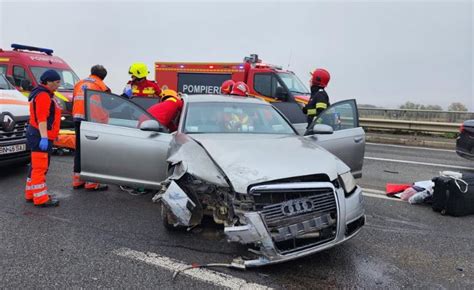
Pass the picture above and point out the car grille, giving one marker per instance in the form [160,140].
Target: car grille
[298,218]
[18,132]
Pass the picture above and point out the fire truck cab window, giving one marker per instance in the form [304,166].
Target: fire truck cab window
[3,69]
[266,84]
[19,74]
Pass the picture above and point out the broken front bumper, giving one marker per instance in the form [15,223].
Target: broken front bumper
[256,230]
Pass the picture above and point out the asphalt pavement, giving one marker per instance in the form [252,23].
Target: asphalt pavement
[115,240]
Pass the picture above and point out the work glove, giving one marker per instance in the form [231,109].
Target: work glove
[43,145]
[127,91]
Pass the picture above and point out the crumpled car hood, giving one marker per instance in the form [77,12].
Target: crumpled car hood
[252,158]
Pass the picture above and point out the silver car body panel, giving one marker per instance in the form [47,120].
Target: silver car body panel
[348,145]
[242,157]
[138,158]
[179,203]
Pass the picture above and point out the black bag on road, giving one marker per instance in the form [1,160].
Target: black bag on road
[454,196]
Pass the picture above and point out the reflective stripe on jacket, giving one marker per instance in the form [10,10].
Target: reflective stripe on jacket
[318,102]
[92,83]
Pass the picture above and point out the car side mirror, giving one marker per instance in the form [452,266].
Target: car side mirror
[321,129]
[151,125]
[26,85]
[281,94]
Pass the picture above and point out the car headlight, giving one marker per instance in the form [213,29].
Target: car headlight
[348,182]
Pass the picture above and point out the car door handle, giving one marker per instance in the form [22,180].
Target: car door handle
[358,139]
[92,137]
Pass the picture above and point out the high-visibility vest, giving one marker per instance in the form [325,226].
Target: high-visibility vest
[54,116]
[92,83]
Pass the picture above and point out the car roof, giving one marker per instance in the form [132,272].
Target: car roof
[222,99]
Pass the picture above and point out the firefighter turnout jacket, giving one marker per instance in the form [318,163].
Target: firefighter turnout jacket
[318,102]
[167,112]
[145,88]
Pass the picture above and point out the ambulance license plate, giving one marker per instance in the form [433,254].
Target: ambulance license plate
[12,149]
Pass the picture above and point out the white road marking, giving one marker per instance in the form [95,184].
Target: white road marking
[411,147]
[376,191]
[377,194]
[419,163]
[203,275]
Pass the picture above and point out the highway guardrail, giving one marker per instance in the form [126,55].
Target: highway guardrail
[406,125]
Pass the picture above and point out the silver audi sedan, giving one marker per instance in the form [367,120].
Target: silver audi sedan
[281,189]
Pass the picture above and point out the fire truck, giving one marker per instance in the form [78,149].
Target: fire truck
[266,81]
[23,66]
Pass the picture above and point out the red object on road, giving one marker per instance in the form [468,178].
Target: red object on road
[393,188]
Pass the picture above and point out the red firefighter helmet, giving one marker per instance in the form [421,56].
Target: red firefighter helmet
[226,87]
[240,89]
[320,77]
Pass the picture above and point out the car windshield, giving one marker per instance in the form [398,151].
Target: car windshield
[68,77]
[293,83]
[4,84]
[234,117]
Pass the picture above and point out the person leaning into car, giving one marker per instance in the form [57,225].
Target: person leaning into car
[43,128]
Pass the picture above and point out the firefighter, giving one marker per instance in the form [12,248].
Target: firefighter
[94,82]
[167,111]
[227,86]
[240,89]
[319,100]
[45,118]
[139,86]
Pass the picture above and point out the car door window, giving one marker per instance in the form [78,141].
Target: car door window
[19,74]
[107,108]
[340,116]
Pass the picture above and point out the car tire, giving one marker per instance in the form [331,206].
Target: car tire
[167,219]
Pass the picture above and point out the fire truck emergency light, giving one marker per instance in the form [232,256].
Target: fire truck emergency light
[15,46]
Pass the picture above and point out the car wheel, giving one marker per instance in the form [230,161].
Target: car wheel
[168,220]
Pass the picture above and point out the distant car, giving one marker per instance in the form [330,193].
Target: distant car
[465,141]
[14,115]
[239,161]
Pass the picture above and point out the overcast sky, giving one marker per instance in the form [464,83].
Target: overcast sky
[380,52]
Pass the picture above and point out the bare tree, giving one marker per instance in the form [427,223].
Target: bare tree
[413,106]
[458,107]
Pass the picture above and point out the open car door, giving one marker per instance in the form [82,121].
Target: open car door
[348,139]
[121,143]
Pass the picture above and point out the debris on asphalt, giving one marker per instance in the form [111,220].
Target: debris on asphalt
[418,192]
[210,265]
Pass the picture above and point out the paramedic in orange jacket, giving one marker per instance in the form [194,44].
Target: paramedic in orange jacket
[167,111]
[139,86]
[94,82]
[43,128]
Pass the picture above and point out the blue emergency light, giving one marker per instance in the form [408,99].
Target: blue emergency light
[15,46]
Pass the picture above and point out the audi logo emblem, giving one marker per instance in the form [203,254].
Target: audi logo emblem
[296,206]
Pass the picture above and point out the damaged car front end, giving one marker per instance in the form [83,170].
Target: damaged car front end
[280,213]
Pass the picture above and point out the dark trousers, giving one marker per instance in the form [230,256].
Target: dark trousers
[77,152]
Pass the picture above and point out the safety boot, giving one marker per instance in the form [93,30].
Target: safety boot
[52,202]
[95,186]
[76,181]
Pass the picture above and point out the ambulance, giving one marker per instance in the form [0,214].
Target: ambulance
[23,66]
[14,116]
